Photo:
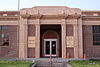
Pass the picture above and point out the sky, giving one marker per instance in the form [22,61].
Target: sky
[82,4]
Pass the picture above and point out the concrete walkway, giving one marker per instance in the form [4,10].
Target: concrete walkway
[42,59]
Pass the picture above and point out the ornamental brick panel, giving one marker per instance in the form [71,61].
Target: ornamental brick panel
[31,30]
[31,52]
[69,30]
[70,50]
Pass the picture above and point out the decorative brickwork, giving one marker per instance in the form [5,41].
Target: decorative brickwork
[69,30]
[31,52]
[31,30]
[70,51]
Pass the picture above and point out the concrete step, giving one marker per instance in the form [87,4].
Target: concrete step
[54,64]
[43,66]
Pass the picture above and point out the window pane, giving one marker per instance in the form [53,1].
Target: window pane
[96,37]
[96,43]
[4,27]
[0,27]
[47,43]
[96,28]
[4,42]
[53,47]
[4,36]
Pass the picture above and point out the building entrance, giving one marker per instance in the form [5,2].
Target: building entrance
[50,47]
[50,41]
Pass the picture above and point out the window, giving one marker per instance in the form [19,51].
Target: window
[96,34]
[5,42]
[4,27]
[4,36]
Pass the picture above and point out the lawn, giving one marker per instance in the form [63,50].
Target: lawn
[15,63]
[87,63]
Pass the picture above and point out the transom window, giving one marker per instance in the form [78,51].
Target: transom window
[4,27]
[96,34]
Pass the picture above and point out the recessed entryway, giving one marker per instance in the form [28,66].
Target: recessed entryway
[50,42]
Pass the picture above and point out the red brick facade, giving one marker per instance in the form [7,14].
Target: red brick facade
[10,51]
[91,51]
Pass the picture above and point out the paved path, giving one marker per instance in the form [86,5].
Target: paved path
[42,59]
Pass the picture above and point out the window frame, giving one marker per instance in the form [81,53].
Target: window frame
[96,33]
[4,39]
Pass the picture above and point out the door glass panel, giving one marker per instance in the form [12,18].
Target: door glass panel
[53,45]
[47,47]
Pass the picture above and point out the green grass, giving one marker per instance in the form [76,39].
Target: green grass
[15,63]
[87,63]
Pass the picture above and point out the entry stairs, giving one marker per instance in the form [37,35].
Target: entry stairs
[48,63]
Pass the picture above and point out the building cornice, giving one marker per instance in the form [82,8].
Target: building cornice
[91,18]
[8,18]
[58,16]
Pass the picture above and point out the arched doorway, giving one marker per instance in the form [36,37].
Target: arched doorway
[50,41]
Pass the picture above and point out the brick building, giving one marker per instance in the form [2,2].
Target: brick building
[44,30]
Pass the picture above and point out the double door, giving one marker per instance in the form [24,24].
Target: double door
[50,47]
